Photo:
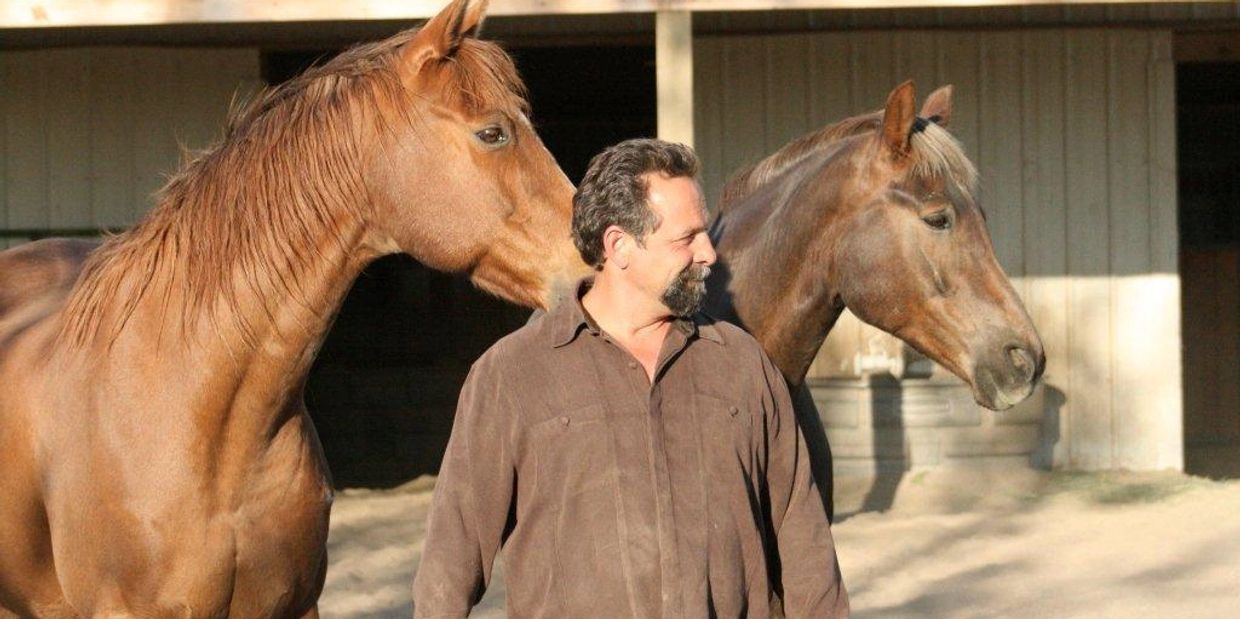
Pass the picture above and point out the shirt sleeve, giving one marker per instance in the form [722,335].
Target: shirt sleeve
[472,500]
[809,572]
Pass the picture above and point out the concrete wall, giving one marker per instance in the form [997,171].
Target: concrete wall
[1073,132]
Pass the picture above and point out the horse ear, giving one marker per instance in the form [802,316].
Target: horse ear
[442,35]
[938,106]
[898,118]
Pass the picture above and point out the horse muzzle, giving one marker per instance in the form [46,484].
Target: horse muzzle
[1005,378]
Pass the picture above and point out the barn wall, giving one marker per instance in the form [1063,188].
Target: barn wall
[290,22]
[1073,132]
[88,134]
[978,17]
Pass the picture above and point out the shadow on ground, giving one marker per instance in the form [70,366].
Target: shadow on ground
[1016,543]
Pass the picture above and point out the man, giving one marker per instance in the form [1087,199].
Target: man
[633,457]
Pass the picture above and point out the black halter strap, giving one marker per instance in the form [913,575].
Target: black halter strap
[920,124]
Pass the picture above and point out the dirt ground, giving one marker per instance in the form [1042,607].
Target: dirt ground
[944,544]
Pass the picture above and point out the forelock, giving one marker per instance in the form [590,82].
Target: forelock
[481,77]
[936,153]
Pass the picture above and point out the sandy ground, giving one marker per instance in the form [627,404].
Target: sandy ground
[1007,543]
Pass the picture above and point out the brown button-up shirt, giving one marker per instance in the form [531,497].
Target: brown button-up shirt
[615,497]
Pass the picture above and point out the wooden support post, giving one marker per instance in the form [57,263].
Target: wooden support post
[674,74]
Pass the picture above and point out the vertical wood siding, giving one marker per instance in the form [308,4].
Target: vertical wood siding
[1014,16]
[90,134]
[1073,132]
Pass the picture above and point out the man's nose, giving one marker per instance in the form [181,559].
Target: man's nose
[705,253]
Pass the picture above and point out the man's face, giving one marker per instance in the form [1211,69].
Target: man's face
[673,265]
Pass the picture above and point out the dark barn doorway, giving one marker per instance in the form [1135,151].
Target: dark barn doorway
[1208,104]
[383,389]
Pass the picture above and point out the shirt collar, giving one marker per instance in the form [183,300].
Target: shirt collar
[704,325]
[567,320]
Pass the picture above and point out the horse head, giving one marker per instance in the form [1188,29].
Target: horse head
[487,197]
[915,258]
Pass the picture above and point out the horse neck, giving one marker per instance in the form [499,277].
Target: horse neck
[235,278]
[775,251]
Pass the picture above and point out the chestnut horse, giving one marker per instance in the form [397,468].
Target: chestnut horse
[157,455]
[878,214]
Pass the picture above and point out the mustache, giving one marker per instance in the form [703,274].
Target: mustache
[695,272]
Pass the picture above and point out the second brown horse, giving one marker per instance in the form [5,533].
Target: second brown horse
[878,214]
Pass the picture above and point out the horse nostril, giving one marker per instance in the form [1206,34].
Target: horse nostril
[1023,362]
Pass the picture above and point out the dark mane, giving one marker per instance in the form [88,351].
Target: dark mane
[288,164]
[745,181]
[935,150]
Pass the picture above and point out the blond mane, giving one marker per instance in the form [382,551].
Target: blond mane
[937,153]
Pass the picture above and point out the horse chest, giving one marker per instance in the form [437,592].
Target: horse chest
[281,554]
[276,551]
[274,545]
[246,541]
[281,529]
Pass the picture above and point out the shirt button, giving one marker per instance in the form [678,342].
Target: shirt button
[733,411]
[564,421]
[632,365]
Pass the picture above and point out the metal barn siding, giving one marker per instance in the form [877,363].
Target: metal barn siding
[1073,132]
[975,17]
[89,134]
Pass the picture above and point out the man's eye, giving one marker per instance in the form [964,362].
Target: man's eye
[493,136]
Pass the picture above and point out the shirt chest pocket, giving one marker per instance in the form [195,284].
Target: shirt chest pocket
[727,434]
[573,453]
[574,507]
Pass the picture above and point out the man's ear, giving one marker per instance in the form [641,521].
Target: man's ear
[616,246]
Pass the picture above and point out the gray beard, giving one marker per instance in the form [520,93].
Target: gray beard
[684,296]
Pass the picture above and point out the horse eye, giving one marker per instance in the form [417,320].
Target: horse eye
[938,221]
[493,136]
